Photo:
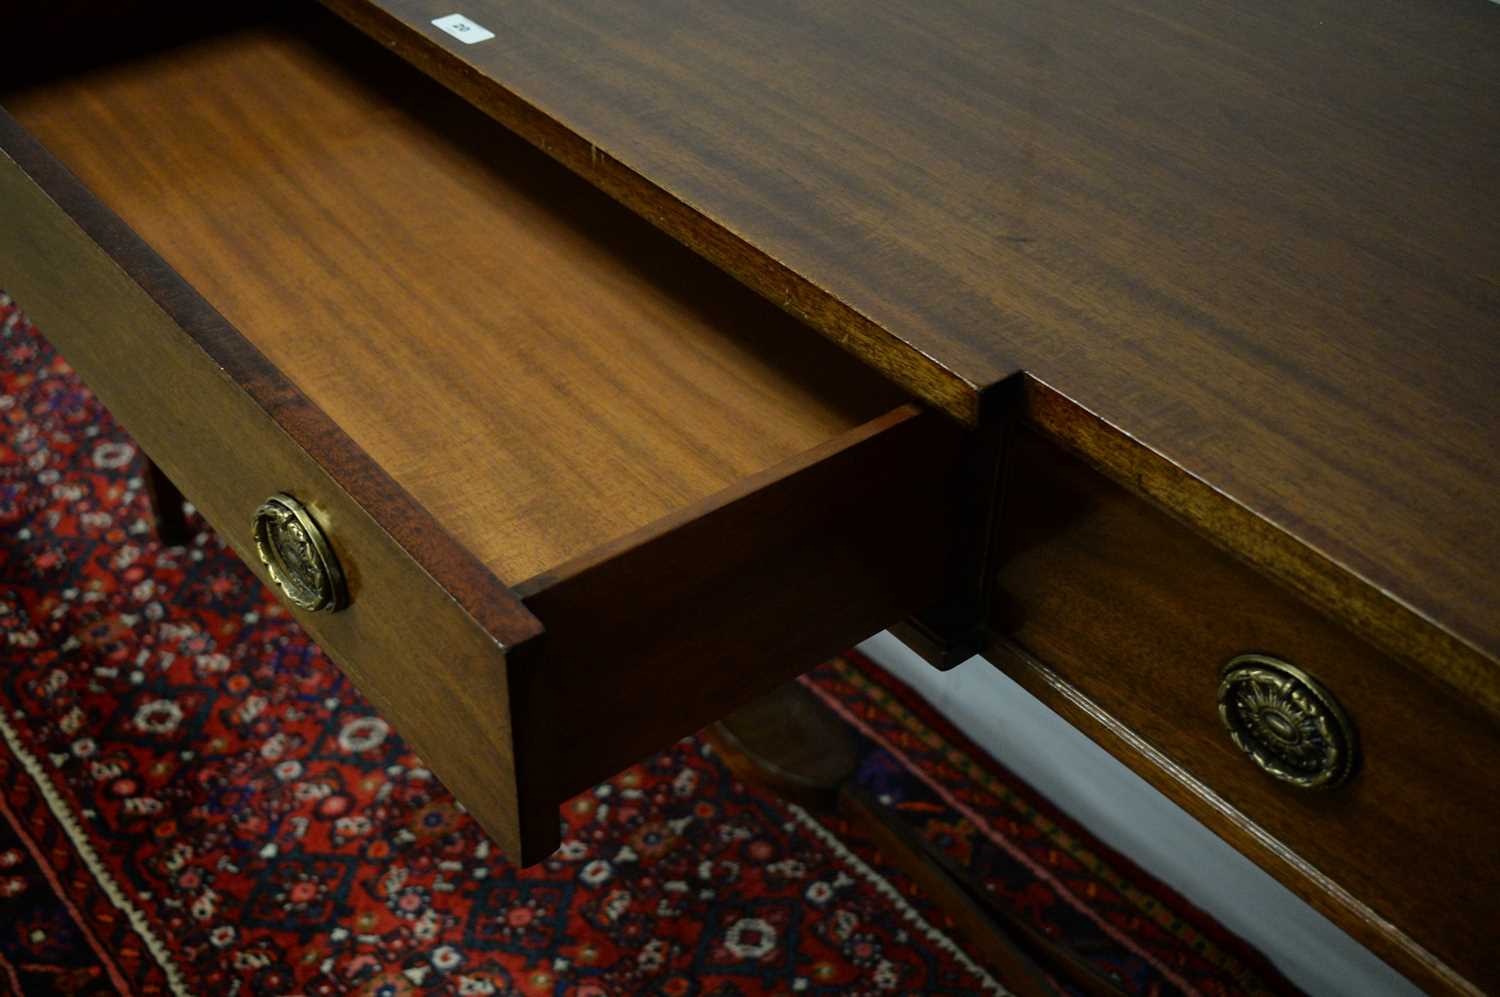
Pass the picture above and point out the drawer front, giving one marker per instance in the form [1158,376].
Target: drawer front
[1125,619]
[220,422]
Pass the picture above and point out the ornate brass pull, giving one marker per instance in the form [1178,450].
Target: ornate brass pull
[1287,722]
[296,554]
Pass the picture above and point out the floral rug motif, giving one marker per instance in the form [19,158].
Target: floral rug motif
[194,801]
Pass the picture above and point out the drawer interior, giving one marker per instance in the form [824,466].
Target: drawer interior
[537,366]
[688,496]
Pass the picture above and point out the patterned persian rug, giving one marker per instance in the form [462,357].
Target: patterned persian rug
[194,801]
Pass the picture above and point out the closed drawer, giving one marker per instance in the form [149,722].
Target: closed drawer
[1125,619]
[586,493]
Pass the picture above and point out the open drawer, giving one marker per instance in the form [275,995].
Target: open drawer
[585,493]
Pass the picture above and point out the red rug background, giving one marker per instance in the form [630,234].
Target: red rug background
[195,801]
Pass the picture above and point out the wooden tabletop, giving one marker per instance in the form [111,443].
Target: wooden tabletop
[1244,255]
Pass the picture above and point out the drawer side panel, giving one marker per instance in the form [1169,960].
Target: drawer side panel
[681,624]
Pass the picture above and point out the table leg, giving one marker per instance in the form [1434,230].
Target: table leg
[790,743]
[167,506]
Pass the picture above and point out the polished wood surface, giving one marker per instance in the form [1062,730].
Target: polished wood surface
[1259,242]
[538,368]
[695,498]
[1116,604]
[1244,261]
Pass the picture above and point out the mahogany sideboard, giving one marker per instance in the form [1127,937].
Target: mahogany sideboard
[581,372]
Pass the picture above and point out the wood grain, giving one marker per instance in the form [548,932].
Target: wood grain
[542,371]
[427,633]
[1379,934]
[686,485]
[806,559]
[1138,615]
[1261,242]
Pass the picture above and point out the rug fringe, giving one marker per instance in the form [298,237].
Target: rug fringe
[76,835]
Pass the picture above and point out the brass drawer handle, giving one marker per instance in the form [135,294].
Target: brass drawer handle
[296,554]
[1287,722]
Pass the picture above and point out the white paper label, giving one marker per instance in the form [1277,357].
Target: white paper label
[463,29]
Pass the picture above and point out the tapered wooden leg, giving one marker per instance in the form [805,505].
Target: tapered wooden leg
[790,743]
[167,506]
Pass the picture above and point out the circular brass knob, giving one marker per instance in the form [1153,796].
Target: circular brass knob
[297,556]
[1287,722]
